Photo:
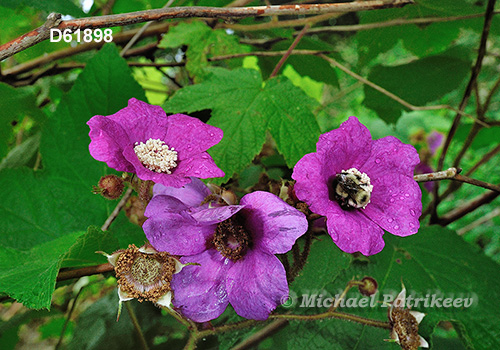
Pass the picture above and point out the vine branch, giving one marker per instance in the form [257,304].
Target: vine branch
[395,97]
[54,20]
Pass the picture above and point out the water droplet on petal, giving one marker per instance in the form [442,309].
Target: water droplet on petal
[407,195]
[335,236]
[411,225]
[212,134]
[391,200]
[377,160]
[396,227]
[401,197]
[390,220]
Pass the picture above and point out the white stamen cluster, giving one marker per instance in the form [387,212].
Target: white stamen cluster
[156,155]
[365,180]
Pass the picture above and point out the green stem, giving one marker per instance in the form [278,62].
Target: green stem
[135,322]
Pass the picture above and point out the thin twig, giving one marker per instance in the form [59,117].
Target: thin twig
[137,327]
[469,207]
[454,174]
[475,72]
[393,23]
[483,160]
[468,90]
[84,271]
[43,33]
[262,334]
[393,96]
[335,314]
[63,67]
[140,32]
[71,51]
[482,220]
[279,24]
[478,183]
[117,209]
[439,175]
[289,51]
[66,321]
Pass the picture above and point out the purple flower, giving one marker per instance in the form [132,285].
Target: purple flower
[234,246]
[362,186]
[434,140]
[141,139]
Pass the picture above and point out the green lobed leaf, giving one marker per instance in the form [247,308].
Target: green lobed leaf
[22,154]
[324,264]
[83,252]
[64,7]
[15,104]
[30,276]
[418,82]
[244,109]
[434,261]
[97,328]
[47,209]
[311,66]
[423,40]
[202,42]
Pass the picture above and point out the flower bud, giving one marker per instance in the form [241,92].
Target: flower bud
[369,286]
[110,187]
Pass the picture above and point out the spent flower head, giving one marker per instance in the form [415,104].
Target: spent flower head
[362,186]
[142,139]
[404,324]
[234,246]
[144,274]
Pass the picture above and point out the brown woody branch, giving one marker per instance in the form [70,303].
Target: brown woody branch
[84,271]
[54,20]
[467,208]
[70,51]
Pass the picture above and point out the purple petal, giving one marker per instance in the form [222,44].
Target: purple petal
[191,194]
[434,140]
[353,232]
[256,285]
[190,136]
[177,234]
[310,187]
[340,149]
[142,121]
[275,225]
[107,141]
[200,291]
[198,165]
[162,205]
[396,198]
[344,148]
[215,215]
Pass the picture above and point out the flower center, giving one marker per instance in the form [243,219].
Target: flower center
[144,276]
[145,269]
[156,155]
[231,239]
[405,325]
[351,189]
